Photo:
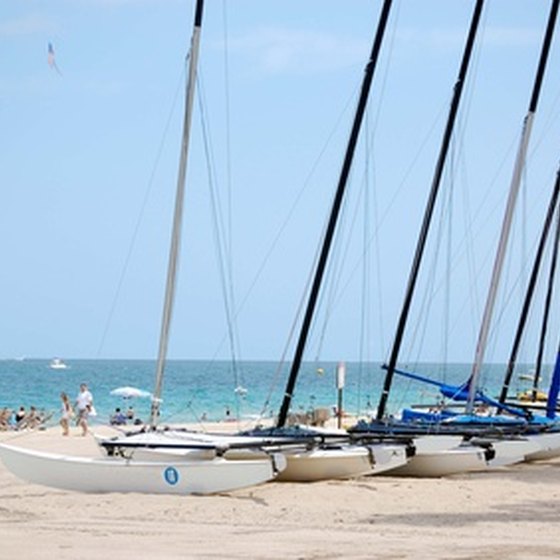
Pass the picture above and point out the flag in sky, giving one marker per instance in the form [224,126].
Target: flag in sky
[51,60]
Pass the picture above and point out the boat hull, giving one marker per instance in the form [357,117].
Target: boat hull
[443,463]
[104,475]
[510,452]
[303,465]
[549,444]
[341,463]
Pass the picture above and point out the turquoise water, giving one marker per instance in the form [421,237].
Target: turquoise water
[193,389]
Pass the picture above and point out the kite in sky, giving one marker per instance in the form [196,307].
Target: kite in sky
[51,60]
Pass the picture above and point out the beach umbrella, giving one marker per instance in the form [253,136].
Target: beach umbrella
[130,393]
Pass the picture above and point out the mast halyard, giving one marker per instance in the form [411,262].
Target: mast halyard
[335,210]
[413,276]
[177,216]
[508,216]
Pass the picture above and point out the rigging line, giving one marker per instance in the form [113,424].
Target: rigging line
[367,80]
[365,299]
[372,136]
[419,328]
[229,238]
[339,256]
[553,115]
[449,254]
[377,110]
[530,290]
[432,289]
[228,133]
[224,257]
[520,162]
[377,261]
[401,325]
[412,165]
[379,222]
[446,208]
[287,220]
[468,237]
[218,231]
[143,205]
[291,336]
[481,217]
[547,303]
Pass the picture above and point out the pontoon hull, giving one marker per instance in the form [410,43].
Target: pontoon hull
[82,474]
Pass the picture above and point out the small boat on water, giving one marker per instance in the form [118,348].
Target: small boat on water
[58,363]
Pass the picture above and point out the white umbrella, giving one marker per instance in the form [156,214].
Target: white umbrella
[130,392]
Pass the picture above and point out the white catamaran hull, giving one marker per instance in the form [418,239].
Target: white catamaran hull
[443,462]
[302,465]
[510,452]
[151,477]
[549,446]
[433,443]
[341,463]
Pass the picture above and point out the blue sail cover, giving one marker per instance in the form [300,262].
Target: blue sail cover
[459,393]
[455,392]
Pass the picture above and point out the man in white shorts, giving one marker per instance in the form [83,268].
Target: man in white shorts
[84,405]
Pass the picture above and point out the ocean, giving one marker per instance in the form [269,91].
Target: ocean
[195,390]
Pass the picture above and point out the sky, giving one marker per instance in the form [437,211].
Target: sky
[89,157]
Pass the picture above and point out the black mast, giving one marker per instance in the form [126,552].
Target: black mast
[534,274]
[335,210]
[429,210]
[548,300]
[530,290]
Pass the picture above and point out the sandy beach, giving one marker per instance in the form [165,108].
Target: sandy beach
[509,513]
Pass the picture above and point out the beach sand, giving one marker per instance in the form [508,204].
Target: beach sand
[511,513]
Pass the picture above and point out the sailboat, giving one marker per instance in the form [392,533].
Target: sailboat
[430,449]
[361,455]
[469,424]
[189,474]
[310,455]
[517,419]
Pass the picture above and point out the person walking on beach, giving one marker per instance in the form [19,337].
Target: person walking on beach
[66,414]
[84,405]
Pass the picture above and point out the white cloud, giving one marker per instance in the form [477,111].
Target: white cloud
[27,25]
[449,38]
[117,3]
[294,51]
[512,37]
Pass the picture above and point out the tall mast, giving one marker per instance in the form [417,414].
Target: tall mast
[510,207]
[420,246]
[530,289]
[178,216]
[335,210]
[548,300]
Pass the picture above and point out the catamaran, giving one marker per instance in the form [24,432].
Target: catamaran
[190,474]
[468,424]
[310,454]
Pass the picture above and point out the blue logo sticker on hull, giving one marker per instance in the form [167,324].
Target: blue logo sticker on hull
[171,475]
